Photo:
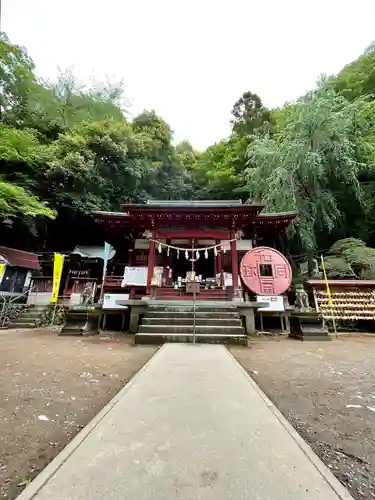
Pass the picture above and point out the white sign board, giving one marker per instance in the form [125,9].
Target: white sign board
[110,299]
[137,276]
[275,303]
[240,245]
[141,244]
[134,276]
[227,278]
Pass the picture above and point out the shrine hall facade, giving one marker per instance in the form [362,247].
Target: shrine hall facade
[164,245]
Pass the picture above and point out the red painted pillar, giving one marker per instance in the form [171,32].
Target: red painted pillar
[216,259]
[233,251]
[151,264]
[169,264]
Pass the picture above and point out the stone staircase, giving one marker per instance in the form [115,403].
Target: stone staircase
[170,293]
[29,318]
[174,323]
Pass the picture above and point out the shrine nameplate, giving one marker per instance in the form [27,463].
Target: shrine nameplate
[265,271]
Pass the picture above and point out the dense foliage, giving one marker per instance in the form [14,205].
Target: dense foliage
[350,258]
[67,149]
[314,156]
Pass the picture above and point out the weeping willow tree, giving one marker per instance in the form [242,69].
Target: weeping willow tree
[324,144]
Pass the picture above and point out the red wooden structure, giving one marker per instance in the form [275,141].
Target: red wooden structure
[232,226]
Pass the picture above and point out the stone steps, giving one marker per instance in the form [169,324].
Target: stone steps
[18,324]
[174,322]
[179,294]
[162,338]
[29,317]
[189,314]
[201,329]
[187,306]
[189,320]
[198,299]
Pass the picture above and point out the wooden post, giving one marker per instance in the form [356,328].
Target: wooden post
[151,265]
[169,264]
[220,264]
[216,259]
[131,257]
[233,250]
[66,285]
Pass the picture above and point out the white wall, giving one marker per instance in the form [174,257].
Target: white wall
[39,298]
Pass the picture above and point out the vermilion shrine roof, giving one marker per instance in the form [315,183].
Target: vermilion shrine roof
[230,214]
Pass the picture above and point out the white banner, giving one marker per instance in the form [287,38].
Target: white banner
[110,299]
[275,303]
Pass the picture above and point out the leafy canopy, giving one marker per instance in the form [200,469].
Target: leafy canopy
[350,258]
[299,168]
[250,116]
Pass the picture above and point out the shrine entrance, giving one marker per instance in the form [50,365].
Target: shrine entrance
[203,266]
[180,266]
[168,235]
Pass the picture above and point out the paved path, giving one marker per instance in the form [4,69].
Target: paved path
[191,425]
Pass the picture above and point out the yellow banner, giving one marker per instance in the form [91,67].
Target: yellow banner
[2,267]
[326,281]
[58,263]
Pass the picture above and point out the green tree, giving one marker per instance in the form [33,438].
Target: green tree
[350,258]
[98,165]
[250,116]
[15,201]
[300,168]
[55,108]
[358,77]
[16,77]
[219,170]
[186,155]
[167,176]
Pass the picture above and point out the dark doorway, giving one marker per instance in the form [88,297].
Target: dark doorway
[205,267]
[180,265]
[202,266]
[13,280]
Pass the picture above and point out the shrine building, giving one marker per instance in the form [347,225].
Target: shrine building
[161,246]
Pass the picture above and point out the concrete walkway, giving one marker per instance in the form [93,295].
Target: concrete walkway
[191,425]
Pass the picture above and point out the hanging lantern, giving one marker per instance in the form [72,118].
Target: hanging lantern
[197,255]
[159,248]
[206,254]
[186,254]
[147,234]
[239,235]
[215,251]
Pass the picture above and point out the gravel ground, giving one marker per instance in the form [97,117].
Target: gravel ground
[51,387]
[327,392]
